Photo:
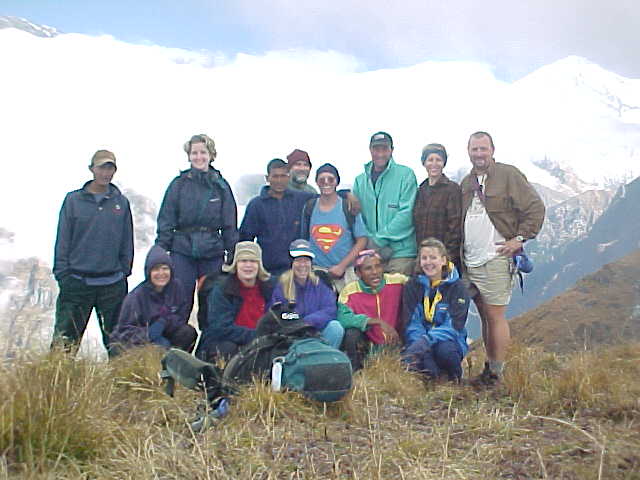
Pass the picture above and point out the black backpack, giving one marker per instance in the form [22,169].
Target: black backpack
[275,333]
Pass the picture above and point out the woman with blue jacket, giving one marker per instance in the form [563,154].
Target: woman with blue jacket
[197,221]
[435,308]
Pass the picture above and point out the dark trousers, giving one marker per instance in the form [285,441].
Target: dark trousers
[188,270]
[434,360]
[184,338]
[217,348]
[356,345]
[75,302]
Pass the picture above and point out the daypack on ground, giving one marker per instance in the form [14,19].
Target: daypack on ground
[309,365]
[316,369]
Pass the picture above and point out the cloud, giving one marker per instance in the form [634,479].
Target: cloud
[515,37]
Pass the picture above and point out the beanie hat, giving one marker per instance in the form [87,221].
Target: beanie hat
[298,155]
[301,248]
[247,251]
[434,148]
[328,168]
[101,157]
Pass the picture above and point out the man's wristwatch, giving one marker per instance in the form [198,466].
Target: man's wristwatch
[520,238]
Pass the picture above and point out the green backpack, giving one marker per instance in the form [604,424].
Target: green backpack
[316,369]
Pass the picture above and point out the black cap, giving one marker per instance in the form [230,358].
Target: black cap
[381,138]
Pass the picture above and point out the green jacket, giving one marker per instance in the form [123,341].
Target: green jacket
[387,208]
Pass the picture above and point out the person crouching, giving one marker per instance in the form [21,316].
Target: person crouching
[314,301]
[156,311]
[235,304]
[436,305]
[369,308]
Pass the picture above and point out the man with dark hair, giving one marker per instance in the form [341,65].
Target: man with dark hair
[273,217]
[387,192]
[501,211]
[93,255]
[369,309]
[299,168]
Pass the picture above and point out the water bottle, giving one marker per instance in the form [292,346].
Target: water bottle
[276,375]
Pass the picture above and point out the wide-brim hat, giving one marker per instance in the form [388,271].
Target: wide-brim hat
[247,251]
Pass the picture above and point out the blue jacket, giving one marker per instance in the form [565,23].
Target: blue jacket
[198,216]
[316,304]
[275,223]
[450,313]
[224,304]
[93,238]
[148,316]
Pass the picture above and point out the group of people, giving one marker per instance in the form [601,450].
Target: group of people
[387,263]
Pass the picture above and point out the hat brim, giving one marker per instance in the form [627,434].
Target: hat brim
[301,253]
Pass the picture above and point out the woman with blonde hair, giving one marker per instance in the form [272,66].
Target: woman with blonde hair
[435,307]
[236,303]
[314,301]
[197,221]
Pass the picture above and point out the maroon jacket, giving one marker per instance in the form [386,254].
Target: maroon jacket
[438,213]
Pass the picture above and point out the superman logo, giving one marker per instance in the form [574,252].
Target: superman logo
[326,236]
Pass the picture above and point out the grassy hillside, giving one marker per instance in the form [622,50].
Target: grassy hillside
[602,308]
[557,417]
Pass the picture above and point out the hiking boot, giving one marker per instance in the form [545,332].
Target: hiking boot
[486,379]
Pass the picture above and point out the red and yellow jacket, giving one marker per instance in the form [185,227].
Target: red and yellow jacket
[358,303]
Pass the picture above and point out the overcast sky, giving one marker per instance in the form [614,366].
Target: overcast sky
[513,37]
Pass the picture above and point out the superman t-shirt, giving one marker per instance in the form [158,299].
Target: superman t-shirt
[329,234]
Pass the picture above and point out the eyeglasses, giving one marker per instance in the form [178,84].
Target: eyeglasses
[328,180]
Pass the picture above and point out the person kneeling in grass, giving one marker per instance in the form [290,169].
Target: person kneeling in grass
[314,300]
[369,308]
[435,308]
[156,311]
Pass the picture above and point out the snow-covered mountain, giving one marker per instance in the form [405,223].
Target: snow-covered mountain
[614,234]
[25,25]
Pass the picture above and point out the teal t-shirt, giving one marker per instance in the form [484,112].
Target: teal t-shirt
[329,234]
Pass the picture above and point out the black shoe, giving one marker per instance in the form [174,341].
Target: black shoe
[486,379]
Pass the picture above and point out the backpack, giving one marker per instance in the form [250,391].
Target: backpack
[275,333]
[316,369]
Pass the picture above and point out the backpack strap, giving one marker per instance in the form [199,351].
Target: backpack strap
[351,219]
[307,210]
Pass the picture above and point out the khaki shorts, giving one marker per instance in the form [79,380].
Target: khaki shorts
[349,276]
[405,265]
[494,280]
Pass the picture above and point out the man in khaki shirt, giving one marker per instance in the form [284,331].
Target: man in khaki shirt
[501,211]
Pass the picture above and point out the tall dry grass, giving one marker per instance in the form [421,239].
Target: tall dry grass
[571,417]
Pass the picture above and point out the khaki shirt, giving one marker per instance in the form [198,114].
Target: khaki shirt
[513,205]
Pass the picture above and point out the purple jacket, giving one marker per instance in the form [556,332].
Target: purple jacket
[148,316]
[316,304]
